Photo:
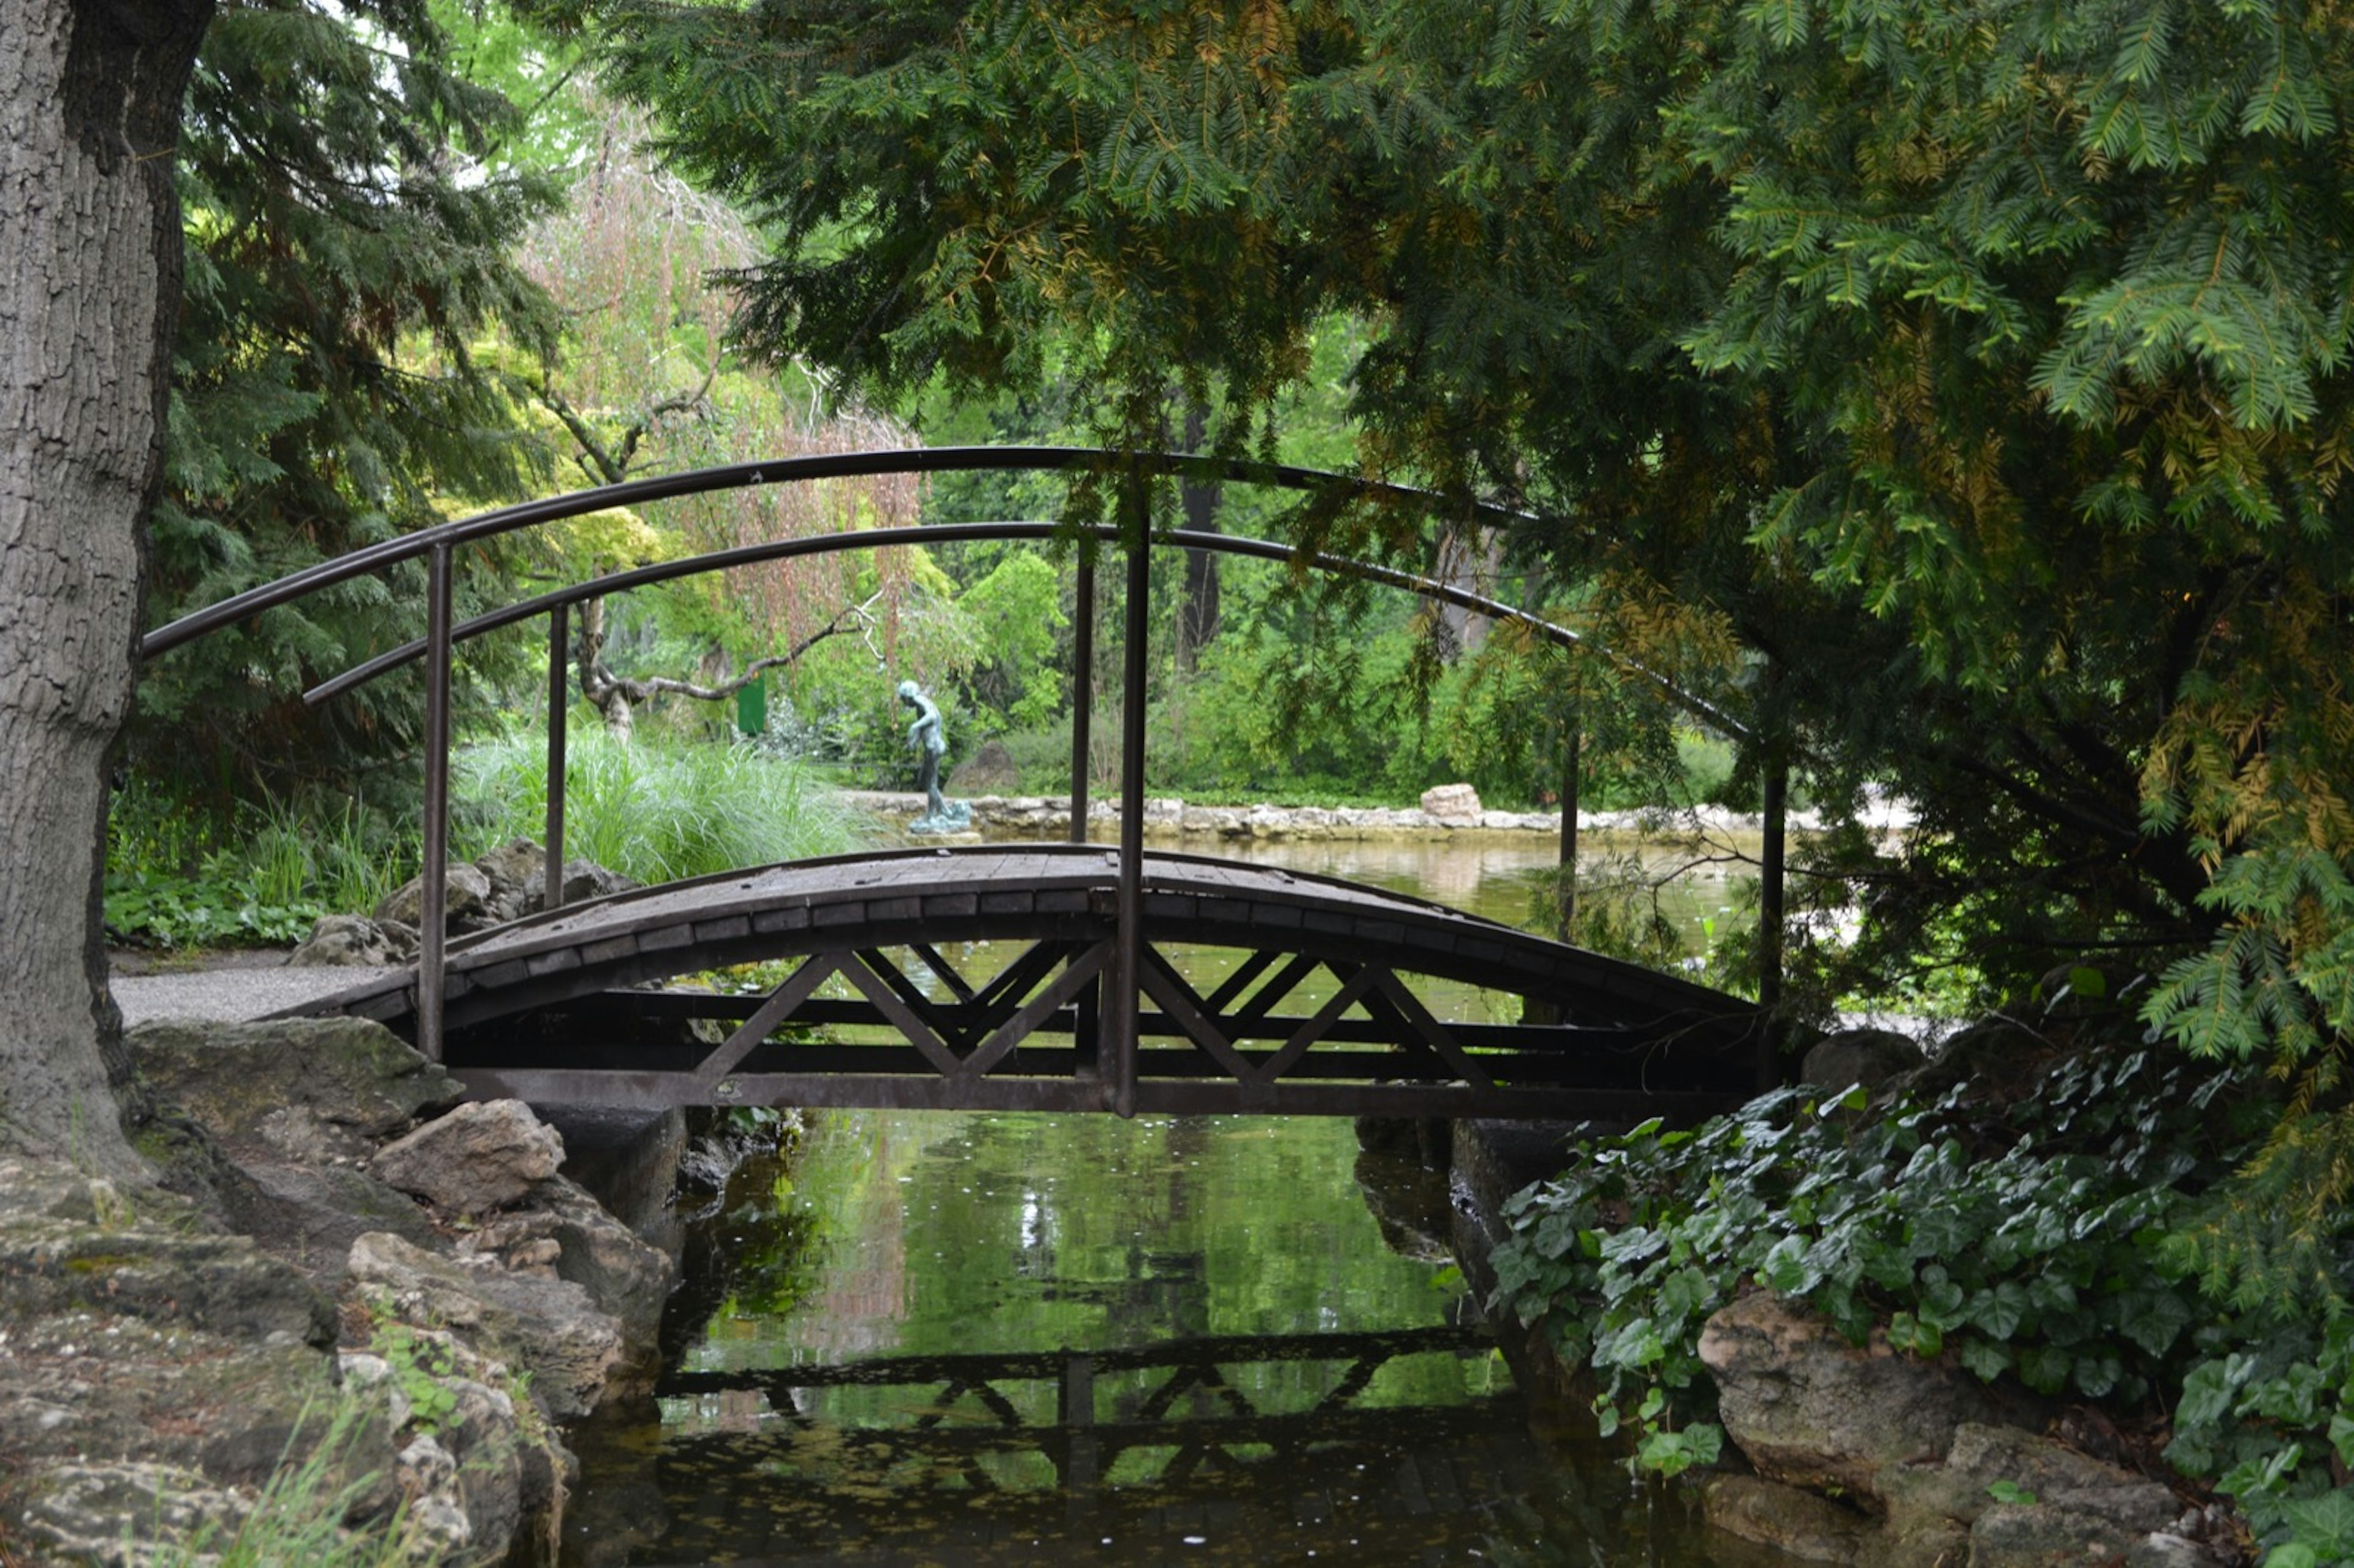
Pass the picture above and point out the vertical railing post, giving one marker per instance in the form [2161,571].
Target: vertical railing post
[1569,766]
[559,693]
[434,895]
[1771,907]
[1124,1003]
[1082,690]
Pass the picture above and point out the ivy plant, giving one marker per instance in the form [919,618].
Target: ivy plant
[2030,1240]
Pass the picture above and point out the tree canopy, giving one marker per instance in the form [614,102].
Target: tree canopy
[1980,366]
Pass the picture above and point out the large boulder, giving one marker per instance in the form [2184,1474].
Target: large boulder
[1812,1410]
[1455,805]
[464,892]
[147,1365]
[1851,1056]
[549,1326]
[69,1245]
[567,1234]
[479,1158]
[297,1088]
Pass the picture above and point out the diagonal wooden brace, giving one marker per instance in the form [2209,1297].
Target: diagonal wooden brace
[781,1004]
[1068,984]
[1435,1035]
[903,1018]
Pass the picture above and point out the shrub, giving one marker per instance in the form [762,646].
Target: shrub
[2030,1240]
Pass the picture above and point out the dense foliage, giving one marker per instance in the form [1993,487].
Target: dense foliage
[347,254]
[2034,1230]
[1978,371]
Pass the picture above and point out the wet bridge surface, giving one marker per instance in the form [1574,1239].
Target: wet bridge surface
[979,979]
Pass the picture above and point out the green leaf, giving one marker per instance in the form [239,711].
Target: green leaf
[2325,1523]
[2010,1492]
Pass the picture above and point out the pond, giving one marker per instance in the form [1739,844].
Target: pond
[970,1337]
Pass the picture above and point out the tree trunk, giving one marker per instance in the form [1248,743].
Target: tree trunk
[89,274]
[1197,609]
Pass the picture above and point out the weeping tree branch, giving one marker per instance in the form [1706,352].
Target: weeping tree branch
[618,696]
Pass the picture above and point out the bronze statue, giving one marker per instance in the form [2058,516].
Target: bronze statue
[929,740]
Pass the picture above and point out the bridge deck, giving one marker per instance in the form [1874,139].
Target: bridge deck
[542,1008]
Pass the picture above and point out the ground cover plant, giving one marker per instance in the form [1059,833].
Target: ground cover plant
[2045,1231]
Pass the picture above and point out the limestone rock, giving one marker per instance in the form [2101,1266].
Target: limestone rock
[356,1079]
[1796,1523]
[312,1215]
[550,1326]
[517,874]
[114,1513]
[622,1274]
[355,939]
[2053,1532]
[478,1157]
[1866,1057]
[1457,805]
[1811,1409]
[466,891]
[585,879]
[158,1266]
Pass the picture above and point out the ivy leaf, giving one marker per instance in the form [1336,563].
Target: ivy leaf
[2325,1523]
[2152,1318]
[1988,1360]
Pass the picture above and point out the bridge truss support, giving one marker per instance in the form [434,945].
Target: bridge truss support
[985,980]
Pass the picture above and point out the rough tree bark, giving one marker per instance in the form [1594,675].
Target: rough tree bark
[89,274]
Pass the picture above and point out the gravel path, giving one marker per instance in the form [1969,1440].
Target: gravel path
[227,986]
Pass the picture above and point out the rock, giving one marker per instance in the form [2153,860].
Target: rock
[56,1259]
[353,939]
[116,1512]
[465,892]
[549,1326]
[990,770]
[2048,1533]
[1983,1454]
[310,1215]
[1797,1523]
[2003,1056]
[1866,1057]
[518,874]
[478,1157]
[1811,1409]
[566,1235]
[585,879]
[1457,805]
[295,1086]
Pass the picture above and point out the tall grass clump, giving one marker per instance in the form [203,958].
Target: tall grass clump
[654,809]
[300,1517]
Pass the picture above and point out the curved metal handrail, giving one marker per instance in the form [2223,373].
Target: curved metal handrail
[783,471]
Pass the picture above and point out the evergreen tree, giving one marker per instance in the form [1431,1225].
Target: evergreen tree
[1979,365]
[350,339]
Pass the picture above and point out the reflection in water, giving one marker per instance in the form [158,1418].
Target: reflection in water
[1031,1339]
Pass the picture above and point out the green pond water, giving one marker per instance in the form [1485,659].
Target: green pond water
[939,1338]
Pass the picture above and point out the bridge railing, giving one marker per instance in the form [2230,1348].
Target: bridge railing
[1134,535]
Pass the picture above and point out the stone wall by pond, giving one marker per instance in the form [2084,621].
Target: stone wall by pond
[340,1250]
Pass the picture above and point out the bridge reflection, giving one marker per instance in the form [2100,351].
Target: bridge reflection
[1238,1449]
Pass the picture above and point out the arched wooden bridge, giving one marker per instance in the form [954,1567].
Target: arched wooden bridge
[1315,1015]
[1314,1018]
